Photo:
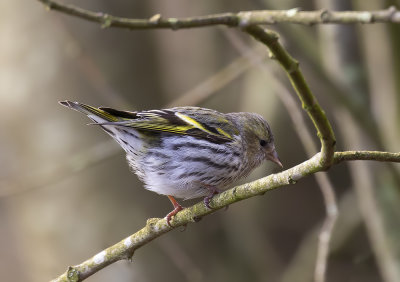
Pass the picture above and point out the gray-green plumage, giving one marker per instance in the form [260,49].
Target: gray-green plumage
[187,152]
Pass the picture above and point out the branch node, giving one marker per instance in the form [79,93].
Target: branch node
[129,254]
[155,19]
[234,193]
[294,67]
[174,22]
[392,11]
[151,222]
[130,257]
[292,12]
[196,218]
[325,15]
[291,180]
[72,274]
[106,20]
[366,17]
[271,55]
[244,19]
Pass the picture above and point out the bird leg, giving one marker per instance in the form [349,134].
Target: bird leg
[177,208]
[213,191]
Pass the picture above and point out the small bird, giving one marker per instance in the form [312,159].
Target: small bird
[187,152]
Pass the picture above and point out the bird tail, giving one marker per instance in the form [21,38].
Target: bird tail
[92,112]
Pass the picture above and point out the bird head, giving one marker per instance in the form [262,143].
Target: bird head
[257,139]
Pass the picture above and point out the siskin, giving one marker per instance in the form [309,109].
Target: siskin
[187,152]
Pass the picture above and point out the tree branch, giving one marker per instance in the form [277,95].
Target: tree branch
[309,103]
[366,156]
[156,227]
[241,19]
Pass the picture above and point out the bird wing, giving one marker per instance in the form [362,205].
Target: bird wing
[192,121]
[188,121]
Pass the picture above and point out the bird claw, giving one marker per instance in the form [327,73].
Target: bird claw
[173,213]
[208,198]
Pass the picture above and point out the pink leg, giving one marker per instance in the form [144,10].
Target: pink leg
[177,208]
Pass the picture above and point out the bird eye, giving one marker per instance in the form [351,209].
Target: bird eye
[263,143]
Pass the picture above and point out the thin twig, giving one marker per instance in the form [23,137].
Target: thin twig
[241,19]
[327,227]
[366,156]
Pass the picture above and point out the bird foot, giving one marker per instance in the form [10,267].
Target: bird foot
[207,199]
[172,213]
[177,208]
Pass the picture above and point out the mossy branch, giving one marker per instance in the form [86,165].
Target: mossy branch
[156,227]
[241,19]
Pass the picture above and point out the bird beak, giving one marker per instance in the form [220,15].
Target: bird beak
[273,157]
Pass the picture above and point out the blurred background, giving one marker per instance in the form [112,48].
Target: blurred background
[66,191]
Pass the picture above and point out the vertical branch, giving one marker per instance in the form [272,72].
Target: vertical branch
[309,103]
[325,234]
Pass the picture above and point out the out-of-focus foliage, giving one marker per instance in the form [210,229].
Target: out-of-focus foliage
[67,193]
